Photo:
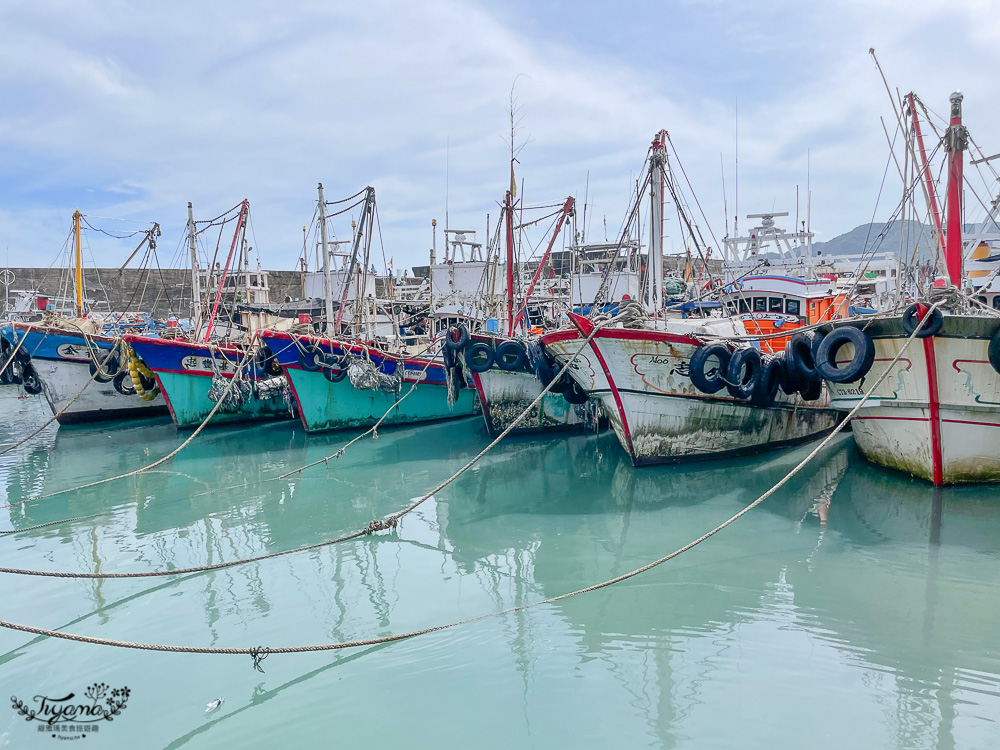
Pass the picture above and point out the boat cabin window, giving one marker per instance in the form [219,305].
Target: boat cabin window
[776,304]
[792,306]
[731,306]
[744,305]
[760,304]
[996,302]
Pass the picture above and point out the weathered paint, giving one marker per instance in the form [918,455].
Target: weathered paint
[893,428]
[184,371]
[324,405]
[506,394]
[658,414]
[62,361]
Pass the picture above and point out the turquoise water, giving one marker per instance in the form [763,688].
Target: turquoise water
[854,609]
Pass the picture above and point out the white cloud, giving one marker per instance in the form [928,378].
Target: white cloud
[132,110]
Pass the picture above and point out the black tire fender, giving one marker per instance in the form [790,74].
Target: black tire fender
[911,320]
[771,374]
[457,337]
[509,349]
[308,356]
[334,368]
[123,383]
[703,377]
[994,351]
[860,364]
[744,372]
[574,394]
[800,356]
[479,357]
[30,380]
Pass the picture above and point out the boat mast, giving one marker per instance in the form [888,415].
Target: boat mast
[244,207]
[327,281]
[956,141]
[79,264]
[195,272]
[509,218]
[567,209]
[925,168]
[654,259]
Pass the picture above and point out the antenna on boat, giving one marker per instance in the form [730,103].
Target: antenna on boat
[447,176]
[586,195]
[725,206]
[736,214]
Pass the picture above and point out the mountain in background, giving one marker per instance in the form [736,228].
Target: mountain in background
[854,241]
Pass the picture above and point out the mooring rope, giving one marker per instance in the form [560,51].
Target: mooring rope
[376,524]
[153,465]
[259,653]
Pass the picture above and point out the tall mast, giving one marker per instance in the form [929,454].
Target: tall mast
[925,168]
[325,249]
[654,260]
[195,272]
[430,270]
[79,264]
[509,218]
[956,141]
[244,208]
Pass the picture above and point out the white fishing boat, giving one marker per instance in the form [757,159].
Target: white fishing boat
[937,414]
[678,388]
[80,370]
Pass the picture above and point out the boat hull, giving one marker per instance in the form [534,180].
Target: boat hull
[640,377]
[324,405]
[62,361]
[937,414]
[185,371]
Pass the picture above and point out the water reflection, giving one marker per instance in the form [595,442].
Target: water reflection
[851,586]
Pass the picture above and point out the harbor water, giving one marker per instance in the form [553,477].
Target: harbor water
[855,608]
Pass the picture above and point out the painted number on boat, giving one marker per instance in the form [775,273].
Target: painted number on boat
[417,375]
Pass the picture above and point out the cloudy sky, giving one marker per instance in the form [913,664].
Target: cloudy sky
[131,109]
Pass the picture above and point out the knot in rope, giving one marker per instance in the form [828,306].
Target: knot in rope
[382,525]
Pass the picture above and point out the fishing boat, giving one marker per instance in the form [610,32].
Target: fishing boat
[679,388]
[937,413]
[196,375]
[339,380]
[82,372]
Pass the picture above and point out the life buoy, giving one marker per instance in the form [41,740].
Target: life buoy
[30,380]
[771,375]
[911,320]
[123,383]
[743,372]
[334,368]
[800,357]
[457,338]
[266,361]
[575,395]
[308,357]
[860,364]
[708,367]
[479,357]
[104,368]
[510,356]
[994,351]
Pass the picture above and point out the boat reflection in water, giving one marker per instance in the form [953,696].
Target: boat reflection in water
[851,592]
